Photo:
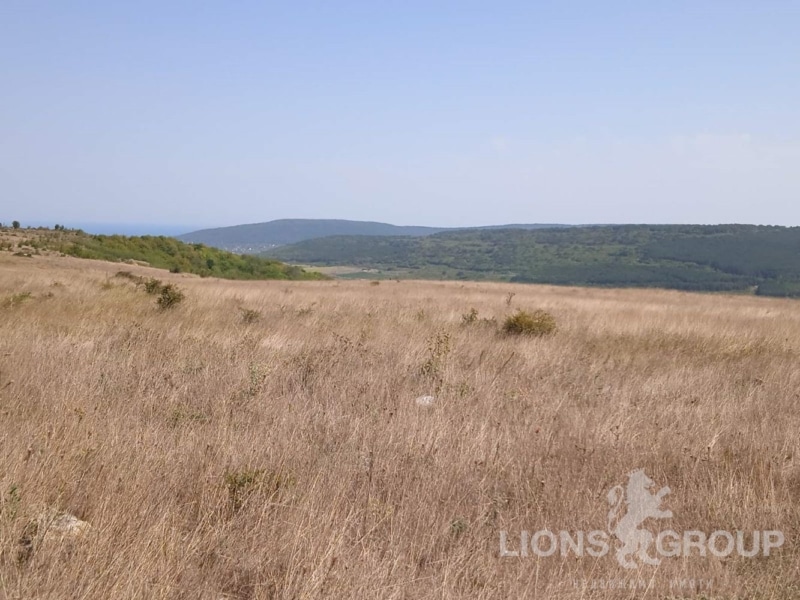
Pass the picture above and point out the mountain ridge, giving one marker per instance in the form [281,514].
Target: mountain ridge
[257,237]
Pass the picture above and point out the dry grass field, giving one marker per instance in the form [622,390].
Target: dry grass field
[262,440]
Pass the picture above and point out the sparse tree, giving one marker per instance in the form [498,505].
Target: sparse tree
[15,224]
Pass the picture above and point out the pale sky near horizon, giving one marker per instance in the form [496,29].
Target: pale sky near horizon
[426,113]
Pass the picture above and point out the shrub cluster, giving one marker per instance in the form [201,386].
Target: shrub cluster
[169,295]
[537,323]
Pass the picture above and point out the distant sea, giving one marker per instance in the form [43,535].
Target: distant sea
[123,228]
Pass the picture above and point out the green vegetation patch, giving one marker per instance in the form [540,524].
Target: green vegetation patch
[719,258]
[168,253]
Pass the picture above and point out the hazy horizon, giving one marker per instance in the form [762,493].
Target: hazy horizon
[134,229]
[416,114]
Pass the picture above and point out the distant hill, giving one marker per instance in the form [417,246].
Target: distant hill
[257,237]
[743,258]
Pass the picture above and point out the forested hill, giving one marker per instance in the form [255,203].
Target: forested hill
[763,259]
[260,236]
[257,237]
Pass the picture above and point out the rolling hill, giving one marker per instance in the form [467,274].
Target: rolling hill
[743,258]
[257,237]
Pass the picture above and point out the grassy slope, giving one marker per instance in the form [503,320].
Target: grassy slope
[286,458]
[159,251]
[682,257]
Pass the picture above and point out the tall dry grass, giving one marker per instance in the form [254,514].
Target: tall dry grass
[282,454]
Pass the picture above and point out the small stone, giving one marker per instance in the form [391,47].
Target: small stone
[51,525]
[65,524]
[425,401]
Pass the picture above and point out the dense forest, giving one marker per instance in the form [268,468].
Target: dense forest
[744,258]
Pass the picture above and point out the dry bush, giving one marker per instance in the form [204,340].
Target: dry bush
[250,316]
[169,296]
[219,461]
[153,285]
[537,323]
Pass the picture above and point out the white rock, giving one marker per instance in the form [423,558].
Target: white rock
[425,401]
[63,524]
[49,527]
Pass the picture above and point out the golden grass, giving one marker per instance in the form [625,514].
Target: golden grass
[284,456]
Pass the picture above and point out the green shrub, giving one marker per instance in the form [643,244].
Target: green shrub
[168,253]
[16,299]
[170,296]
[153,286]
[538,323]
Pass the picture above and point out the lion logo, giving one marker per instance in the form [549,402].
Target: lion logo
[642,504]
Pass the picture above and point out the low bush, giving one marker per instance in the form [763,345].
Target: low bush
[153,286]
[130,277]
[537,323]
[16,299]
[169,296]
[250,316]
[470,317]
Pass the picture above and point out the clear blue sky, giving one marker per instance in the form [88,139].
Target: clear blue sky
[432,113]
